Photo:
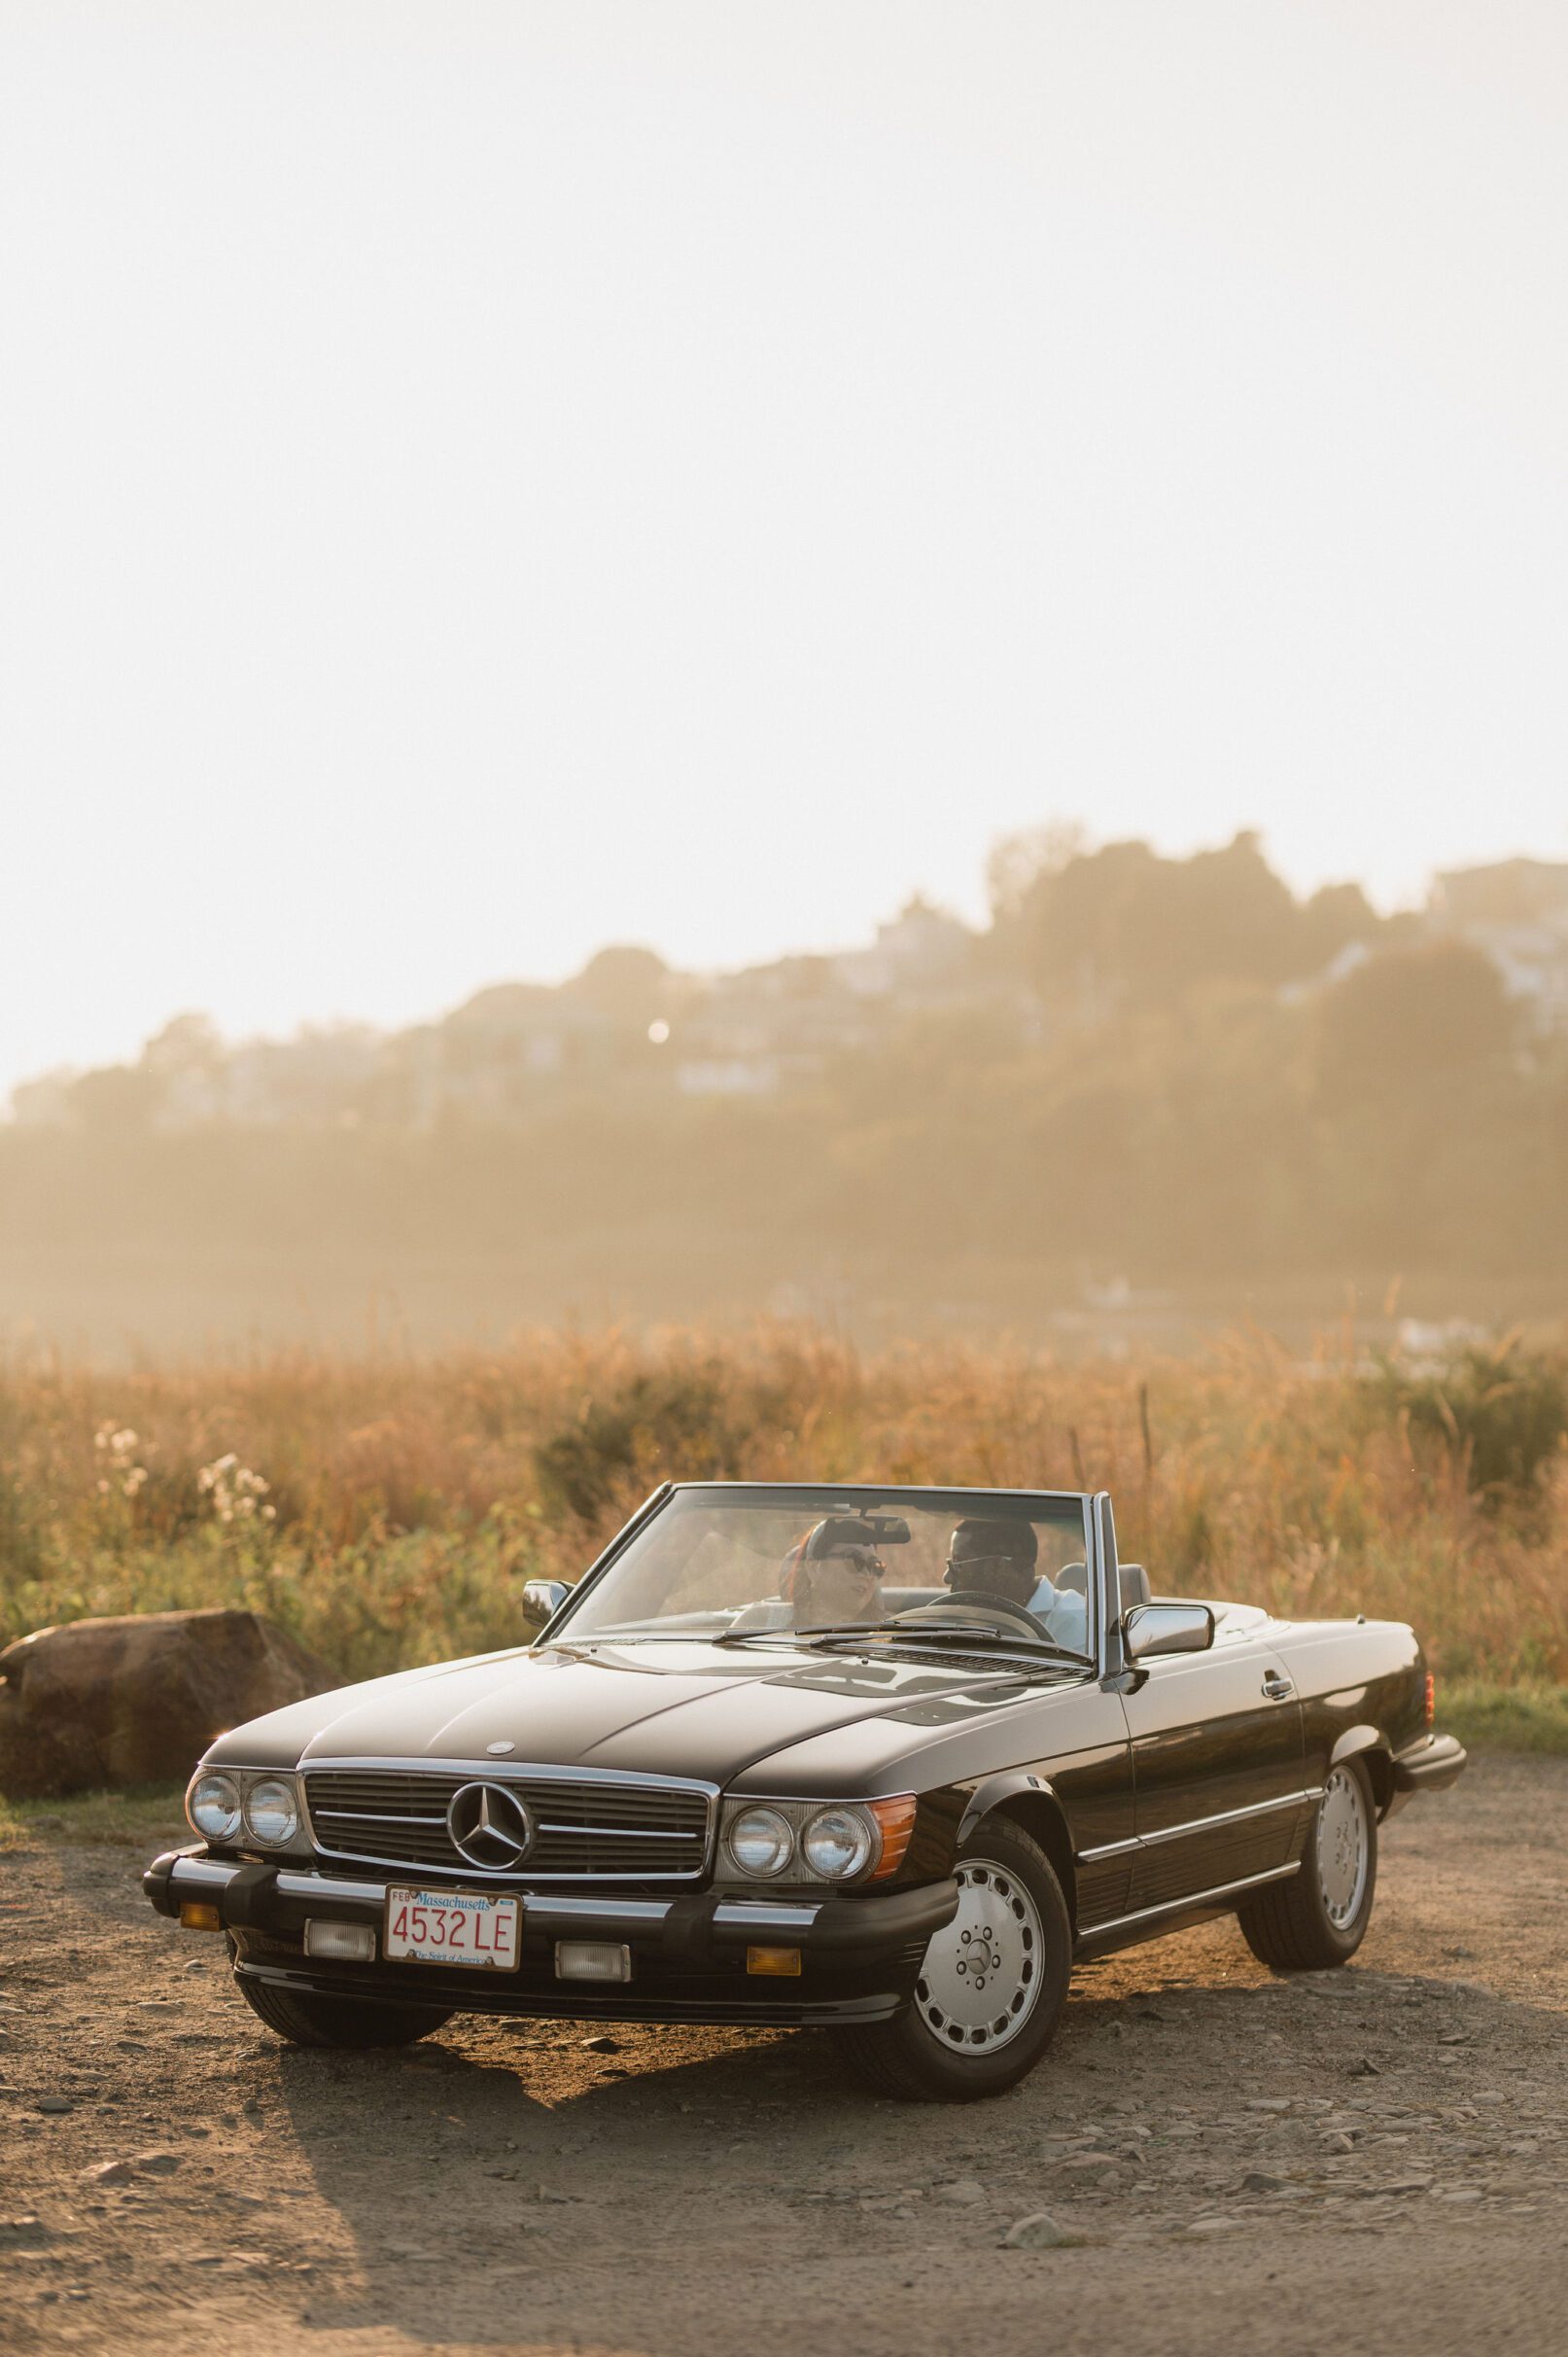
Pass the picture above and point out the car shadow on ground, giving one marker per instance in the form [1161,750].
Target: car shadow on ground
[509,2179]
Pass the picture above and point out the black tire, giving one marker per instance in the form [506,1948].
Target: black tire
[308,2018]
[1292,1925]
[915,2061]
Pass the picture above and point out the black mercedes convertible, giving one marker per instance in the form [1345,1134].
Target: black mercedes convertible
[883,1760]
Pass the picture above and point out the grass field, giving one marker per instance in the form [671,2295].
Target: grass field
[387,1509]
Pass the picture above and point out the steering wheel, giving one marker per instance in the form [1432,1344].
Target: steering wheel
[977,1599]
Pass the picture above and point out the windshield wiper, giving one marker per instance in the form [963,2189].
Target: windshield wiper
[846,1631]
[995,1639]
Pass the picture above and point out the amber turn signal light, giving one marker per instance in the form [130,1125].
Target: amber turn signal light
[783,1962]
[1431,1699]
[200,1914]
[897,1818]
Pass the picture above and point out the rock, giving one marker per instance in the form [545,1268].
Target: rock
[1269,2103]
[110,2173]
[601,2046]
[156,2164]
[136,1698]
[28,2232]
[963,2191]
[1258,2181]
[1365,2069]
[1038,2231]
[52,2103]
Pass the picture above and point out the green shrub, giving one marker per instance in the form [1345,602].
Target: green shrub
[1501,1415]
[669,1420]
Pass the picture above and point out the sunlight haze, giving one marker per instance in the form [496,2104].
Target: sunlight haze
[480,482]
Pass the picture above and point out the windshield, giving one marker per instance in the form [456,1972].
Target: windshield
[751,1564]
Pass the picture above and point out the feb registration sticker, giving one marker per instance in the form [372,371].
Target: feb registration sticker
[476,1927]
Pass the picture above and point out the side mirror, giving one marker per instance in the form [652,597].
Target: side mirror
[544,1597]
[1167,1628]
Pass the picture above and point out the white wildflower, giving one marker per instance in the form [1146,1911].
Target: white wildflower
[234,1488]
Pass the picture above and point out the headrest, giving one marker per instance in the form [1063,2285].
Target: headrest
[1135,1588]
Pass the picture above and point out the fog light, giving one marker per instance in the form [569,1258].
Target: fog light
[200,1914]
[784,1962]
[592,1960]
[349,1943]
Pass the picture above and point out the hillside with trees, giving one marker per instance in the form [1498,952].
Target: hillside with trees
[1144,1077]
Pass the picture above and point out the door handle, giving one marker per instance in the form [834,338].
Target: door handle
[1278,1686]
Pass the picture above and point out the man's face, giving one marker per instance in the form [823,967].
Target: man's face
[975,1559]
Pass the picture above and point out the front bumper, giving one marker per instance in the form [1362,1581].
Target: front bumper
[860,1951]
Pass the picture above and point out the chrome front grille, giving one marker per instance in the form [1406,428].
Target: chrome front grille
[589,1829]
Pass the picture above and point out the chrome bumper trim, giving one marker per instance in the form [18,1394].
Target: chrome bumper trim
[195,1875]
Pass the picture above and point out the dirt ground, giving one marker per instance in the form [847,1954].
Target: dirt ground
[1367,2159]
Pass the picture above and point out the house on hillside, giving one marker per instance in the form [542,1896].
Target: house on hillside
[499,1051]
[750,1034]
[1516,911]
[920,956]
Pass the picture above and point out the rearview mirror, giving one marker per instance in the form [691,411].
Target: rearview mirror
[1167,1628]
[544,1597]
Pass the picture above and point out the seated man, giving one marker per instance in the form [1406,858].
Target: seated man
[1002,1559]
[987,1558]
[834,1574]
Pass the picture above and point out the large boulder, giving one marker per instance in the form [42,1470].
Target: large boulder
[136,1700]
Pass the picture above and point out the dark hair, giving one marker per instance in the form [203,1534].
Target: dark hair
[1017,1540]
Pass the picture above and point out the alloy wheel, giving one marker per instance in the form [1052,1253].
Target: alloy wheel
[982,1972]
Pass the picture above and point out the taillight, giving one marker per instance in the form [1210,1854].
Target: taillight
[1431,1698]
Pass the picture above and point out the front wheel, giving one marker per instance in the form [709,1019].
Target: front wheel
[1319,1916]
[306,2018]
[991,1982]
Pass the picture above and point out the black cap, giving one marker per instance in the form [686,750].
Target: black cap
[837,1534]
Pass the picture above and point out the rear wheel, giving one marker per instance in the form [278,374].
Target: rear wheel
[991,1982]
[1319,1916]
[308,2018]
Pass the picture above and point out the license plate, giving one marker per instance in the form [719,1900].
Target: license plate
[473,1927]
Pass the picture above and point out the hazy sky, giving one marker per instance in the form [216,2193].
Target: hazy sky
[480,481]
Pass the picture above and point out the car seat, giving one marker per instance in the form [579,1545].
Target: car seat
[1073,1580]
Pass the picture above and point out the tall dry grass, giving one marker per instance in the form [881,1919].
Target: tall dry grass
[388,1509]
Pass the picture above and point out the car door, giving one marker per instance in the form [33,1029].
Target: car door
[1218,1767]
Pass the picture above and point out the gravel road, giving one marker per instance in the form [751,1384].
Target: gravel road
[1367,2159]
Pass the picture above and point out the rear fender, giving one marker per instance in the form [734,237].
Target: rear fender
[1368,1745]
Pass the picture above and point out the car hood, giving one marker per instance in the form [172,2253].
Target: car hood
[667,1710]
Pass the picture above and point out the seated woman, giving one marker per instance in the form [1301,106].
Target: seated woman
[834,1574]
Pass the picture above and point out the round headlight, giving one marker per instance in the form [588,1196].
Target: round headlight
[837,1844]
[762,1841]
[213,1805]
[271,1813]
